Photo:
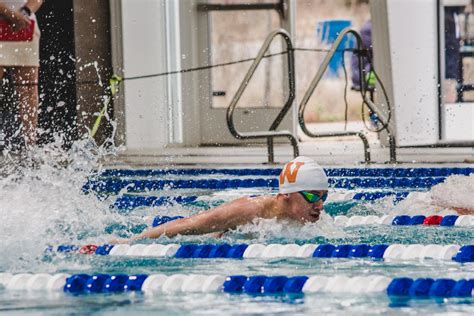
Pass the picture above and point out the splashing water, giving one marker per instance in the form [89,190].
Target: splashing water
[42,202]
[265,229]
[455,192]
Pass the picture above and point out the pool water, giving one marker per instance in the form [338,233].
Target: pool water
[50,205]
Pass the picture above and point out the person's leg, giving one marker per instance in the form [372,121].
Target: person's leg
[26,85]
[2,116]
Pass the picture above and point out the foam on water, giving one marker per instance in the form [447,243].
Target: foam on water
[455,192]
[271,229]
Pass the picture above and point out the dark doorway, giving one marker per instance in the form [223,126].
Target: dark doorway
[57,74]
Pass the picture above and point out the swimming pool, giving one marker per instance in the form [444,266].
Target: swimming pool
[364,210]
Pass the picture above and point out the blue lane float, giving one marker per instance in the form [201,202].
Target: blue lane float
[274,285]
[189,172]
[115,283]
[405,220]
[76,283]
[426,287]
[271,285]
[67,248]
[129,202]
[372,196]
[160,220]
[114,186]
[361,251]
[80,284]
[332,172]
[399,220]
[419,287]
[465,254]
[461,254]
[95,283]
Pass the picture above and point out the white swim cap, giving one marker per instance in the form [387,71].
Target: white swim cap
[302,174]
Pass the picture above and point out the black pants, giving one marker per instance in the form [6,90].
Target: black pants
[10,126]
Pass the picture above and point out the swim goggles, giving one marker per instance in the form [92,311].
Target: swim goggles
[312,197]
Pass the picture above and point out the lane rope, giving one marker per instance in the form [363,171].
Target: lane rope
[393,252]
[394,220]
[405,220]
[331,172]
[253,285]
[114,185]
[129,201]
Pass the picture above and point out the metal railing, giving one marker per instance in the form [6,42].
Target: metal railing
[271,133]
[367,100]
[207,7]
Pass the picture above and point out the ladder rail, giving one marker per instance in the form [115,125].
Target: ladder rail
[314,83]
[271,133]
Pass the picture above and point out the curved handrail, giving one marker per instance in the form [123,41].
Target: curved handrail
[291,96]
[370,104]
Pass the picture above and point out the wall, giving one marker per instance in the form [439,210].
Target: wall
[406,58]
[140,28]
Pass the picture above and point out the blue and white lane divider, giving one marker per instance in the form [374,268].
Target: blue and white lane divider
[395,220]
[253,285]
[405,220]
[112,185]
[331,172]
[127,201]
[394,252]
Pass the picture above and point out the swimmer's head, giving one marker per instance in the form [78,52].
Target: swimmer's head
[302,174]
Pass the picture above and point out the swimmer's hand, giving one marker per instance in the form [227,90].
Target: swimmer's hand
[17,20]
[216,235]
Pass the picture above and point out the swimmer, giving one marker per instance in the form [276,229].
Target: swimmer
[303,188]
[454,193]
[452,196]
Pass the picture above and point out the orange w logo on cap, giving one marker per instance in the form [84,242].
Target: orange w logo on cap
[289,174]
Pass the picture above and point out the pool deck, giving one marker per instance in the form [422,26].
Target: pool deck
[327,153]
[342,151]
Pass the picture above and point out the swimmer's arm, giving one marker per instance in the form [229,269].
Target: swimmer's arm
[463,211]
[219,219]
